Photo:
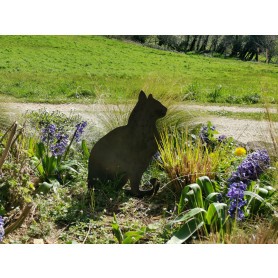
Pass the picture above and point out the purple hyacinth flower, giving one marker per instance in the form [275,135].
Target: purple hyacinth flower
[237,202]
[221,138]
[252,167]
[2,230]
[205,133]
[79,130]
[249,170]
[61,144]
[48,133]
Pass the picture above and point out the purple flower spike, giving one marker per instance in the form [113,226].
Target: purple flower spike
[79,130]
[252,167]
[221,138]
[48,133]
[61,144]
[237,202]
[2,230]
[249,170]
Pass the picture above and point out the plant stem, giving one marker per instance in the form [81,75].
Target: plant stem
[68,148]
[9,143]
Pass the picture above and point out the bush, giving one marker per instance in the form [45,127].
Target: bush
[192,92]
[251,98]
[215,94]
[232,99]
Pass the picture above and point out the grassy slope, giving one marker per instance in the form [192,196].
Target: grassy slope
[54,68]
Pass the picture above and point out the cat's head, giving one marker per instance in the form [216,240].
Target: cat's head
[153,107]
[147,109]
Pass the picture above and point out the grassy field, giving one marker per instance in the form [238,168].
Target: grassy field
[88,68]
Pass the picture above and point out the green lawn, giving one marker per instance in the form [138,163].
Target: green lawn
[86,68]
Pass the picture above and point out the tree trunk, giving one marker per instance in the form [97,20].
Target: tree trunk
[236,46]
[214,43]
[184,44]
[267,60]
[198,43]
[204,44]
[192,45]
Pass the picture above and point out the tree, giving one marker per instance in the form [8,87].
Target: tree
[267,43]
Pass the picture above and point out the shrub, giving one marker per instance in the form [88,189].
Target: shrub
[232,99]
[215,94]
[251,98]
[192,92]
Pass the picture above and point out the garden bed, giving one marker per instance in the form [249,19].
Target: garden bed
[44,195]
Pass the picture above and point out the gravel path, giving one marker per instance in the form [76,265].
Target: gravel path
[226,108]
[240,129]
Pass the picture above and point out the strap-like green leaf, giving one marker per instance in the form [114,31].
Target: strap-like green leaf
[216,211]
[40,150]
[270,190]
[259,198]
[183,199]
[196,194]
[116,230]
[67,167]
[132,237]
[187,215]
[263,192]
[85,150]
[211,198]
[193,194]
[186,231]
[206,185]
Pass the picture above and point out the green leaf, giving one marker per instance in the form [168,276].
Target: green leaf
[52,165]
[259,198]
[31,147]
[154,226]
[193,195]
[211,198]
[116,230]
[130,240]
[38,163]
[186,231]
[45,187]
[183,199]
[40,150]
[216,212]
[263,192]
[270,190]
[206,185]
[132,237]
[85,149]
[254,195]
[67,167]
[187,215]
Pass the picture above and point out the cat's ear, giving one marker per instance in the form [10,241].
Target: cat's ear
[142,96]
[150,96]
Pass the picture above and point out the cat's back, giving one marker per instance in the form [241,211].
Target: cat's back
[112,138]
